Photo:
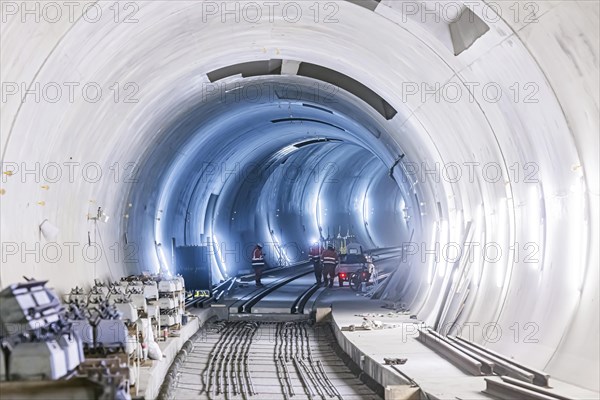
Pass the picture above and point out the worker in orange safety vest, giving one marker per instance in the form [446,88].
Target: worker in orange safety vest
[258,263]
[330,260]
[315,256]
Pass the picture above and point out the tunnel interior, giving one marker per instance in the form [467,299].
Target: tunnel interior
[365,121]
[282,161]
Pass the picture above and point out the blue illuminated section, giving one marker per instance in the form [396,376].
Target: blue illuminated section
[235,171]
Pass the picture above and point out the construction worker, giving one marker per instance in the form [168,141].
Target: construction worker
[258,263]
[315,257]
[330,260]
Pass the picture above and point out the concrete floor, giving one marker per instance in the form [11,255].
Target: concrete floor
[217,367]
[437,376]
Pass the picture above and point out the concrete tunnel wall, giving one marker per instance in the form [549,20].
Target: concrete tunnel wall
[173,45]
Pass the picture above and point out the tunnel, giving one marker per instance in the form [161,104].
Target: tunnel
[269,162]
[465,133]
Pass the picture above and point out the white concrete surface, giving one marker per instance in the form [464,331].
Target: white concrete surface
[440,378]
[153,372]
[173,44]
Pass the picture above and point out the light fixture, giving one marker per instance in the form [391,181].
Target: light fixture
[502,222]
[217,253]
[444,239]
[100,216]
[433,261]
[48,231]
[162,260]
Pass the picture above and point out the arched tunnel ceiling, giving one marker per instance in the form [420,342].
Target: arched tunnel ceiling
[527,107]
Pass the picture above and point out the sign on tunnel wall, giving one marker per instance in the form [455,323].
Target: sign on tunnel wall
[193,263]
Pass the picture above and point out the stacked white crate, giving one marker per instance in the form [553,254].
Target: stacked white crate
[129,297]
[171,300]
[135,291]
[97,295]
[33,326]
[182,294]
[150,291]
[77,296]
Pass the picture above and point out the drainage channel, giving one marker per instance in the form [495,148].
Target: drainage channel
[266,360]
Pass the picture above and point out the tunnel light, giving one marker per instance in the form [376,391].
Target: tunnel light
[501,224]
[280,251]
[535,218]
[477,253]
[318,212]
[459,223]
[163,260]
[456,221]
[454,276]
[534,206]
[578,239]
[286,151]
[432,262]
[218,253]
[479,261]
[479,215]
[444,237]
[48,231]
[366,208]
[402,204]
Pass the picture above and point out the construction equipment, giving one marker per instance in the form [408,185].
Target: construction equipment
[37,338]
[355,267]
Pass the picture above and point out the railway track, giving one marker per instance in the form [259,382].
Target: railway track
[292,293]
[292,288]
[246,358]
[260,360]
[247,302]
[217,293]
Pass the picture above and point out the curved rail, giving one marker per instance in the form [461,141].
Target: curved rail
[246,306]
[300,302]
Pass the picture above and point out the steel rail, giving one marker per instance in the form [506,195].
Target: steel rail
[249,302]
[531,375]
[300,302]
